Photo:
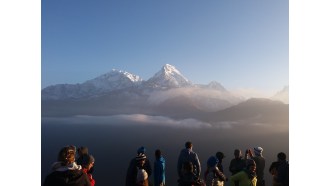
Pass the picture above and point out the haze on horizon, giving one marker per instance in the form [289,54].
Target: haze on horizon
[243,44]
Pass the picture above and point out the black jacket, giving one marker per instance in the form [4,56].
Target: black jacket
[67,178]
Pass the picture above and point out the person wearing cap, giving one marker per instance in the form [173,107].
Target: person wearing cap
[132,168]
[237,164]
[213,176]
[65,171]
[246,177]
[220,156]
[187,154]
[87,162]
[260,163]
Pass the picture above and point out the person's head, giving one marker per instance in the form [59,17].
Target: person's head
[87,161]
[212,161]
[142,150]
[281,156]
[237,153]
[220,155]
[158,154]
[258,151]
[251,165]
[82,150]
[188,145]
[67,155]
[141,159]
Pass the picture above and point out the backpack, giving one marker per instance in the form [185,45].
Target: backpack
[212,179]
[141,175]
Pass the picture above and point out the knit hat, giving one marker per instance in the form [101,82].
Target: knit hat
[212,161]
[140,156]
[141,150]
[220,155]
[258,150]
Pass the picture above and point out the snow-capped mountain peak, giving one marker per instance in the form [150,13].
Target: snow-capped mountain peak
[168,77]
[115,75]
[113,80]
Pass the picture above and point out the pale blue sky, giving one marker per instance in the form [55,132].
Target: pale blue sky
[241,43]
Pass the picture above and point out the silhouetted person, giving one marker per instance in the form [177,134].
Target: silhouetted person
[81,151]
[132,168]
[65,171]
[159,169]
[213,176]
[220,156]
[87,163]
[280,170]
[260,164]
[237,164]
[188,155]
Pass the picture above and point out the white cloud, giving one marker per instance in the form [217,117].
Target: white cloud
[133,119]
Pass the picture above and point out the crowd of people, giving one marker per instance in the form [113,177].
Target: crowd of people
[76,169]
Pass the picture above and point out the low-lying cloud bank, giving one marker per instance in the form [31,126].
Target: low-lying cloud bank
[129,120]
[147,120]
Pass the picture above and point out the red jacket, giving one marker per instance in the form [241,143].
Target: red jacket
[89,176]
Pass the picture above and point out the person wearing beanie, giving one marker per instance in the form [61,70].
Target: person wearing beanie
[213,176]
[237,164]
[141,150]
[246,177]
[141,161]
[141,175]
[65,171]
[187,154]
[159,169]
[87,162]
[260,163]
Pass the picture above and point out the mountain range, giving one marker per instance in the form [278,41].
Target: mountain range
[167,93]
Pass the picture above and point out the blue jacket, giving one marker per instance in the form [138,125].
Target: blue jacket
[159,171]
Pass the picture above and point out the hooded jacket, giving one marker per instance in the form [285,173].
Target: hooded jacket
[70,175]
[159,171]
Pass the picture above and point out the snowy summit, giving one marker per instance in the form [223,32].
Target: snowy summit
[168,77]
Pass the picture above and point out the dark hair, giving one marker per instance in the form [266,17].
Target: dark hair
[237,152]
[188,144]
[281,156]
[220,155]
[158,153]
[67,154]
[82,150]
